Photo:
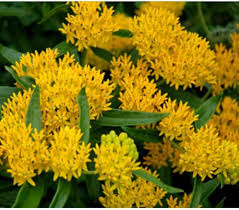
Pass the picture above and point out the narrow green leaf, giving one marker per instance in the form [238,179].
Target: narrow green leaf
[61,195]
[63,48]
[34,110]
[143,174]
[144,135]
[117,117]
[197,193]
[93,187]
[5,184]
[201,191]
[7,91]
[221,203]
[25,82]
[134,55]
[29,196]
[102,53]
[123,33]
[84,123]
[11,55]
[59,8]
[206,111]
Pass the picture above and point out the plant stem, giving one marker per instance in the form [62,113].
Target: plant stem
[88,172]
[202,19]
[177,146]
[207,93]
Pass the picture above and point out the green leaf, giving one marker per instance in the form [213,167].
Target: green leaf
[93,187]
[6,91]
[64,47]
[13,11]
[181,95]
[206,111]
[221,203]
[34,110]
[11,55]
[201,191]
[117,117]
[61,195]
[29,196]
[102,53]
[144,135]
[84,123]
[123,33]
[148,177]
[26,81]
[134,55]
[59,8]
[5,184]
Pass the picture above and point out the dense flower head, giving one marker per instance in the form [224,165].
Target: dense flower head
[175,203]
[158,153]
[139,193]
[114,163]
[175,7]
[123,66]
[227,120]
[60,82]
[179,124]
[68,155]
[227,73]
[115,44]
[25,152]
[90,23]
[181,58]
[121,141]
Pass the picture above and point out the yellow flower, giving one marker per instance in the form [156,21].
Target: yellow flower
[227,120]
[159,153]
[25,153]
[60,82]
[114,163]
[123,66]
[68,156]
[203,153]
[179,124]
[184,203]
[90,23]
[181,58]
[121,141]
[139,193]
[115,44]
[175,7]
[228,68]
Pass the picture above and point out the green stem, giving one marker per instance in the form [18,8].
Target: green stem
[88,172]
[202,19]
[177,146]
[207,94]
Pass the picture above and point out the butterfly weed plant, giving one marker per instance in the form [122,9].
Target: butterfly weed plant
[127,100]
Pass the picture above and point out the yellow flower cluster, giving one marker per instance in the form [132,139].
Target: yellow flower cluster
[139,193]
[175,7]
[206,154]
[228,70]
[159,153]
[181,58]
[121,141]
[184,203]
[235,41]
[115,44]
[114,162]
[90,24]
[227,120]
[68,155]
[60,82]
